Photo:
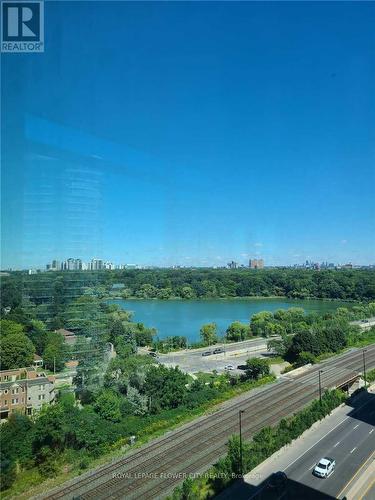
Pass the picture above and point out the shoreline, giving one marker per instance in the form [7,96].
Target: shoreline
[247,298]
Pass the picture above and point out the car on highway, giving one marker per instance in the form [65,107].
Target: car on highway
[206,353]
[218,350]
[229,367]
[324,467]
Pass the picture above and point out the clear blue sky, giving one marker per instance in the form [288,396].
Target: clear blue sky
[193,134]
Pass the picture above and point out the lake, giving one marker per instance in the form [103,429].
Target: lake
[185,317]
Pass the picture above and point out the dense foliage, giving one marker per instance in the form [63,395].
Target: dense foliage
[136,395]
[56,289]
[314,335]
[293,283]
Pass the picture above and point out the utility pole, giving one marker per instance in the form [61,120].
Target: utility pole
[241,461]
[320,385]
[364,367]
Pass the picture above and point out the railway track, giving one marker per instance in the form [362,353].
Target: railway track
[195,446]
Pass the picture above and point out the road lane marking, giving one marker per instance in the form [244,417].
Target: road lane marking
[325,435]
[313,465]
[312,446]
[353,449]
[356,426]
[338,442]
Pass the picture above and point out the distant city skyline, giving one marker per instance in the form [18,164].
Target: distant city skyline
[192,134]
[95,264]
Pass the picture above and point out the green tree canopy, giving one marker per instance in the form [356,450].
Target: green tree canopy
[237,331]
[257,368]
[55,352]
[166,387]
[8,327]
[107,405]
[16,351]
[208,333]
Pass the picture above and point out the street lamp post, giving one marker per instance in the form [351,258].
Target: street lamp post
[364,367]
[241,462]
[320,385]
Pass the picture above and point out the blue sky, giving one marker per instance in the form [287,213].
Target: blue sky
[192,134]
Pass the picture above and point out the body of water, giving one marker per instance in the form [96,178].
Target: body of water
[185,317]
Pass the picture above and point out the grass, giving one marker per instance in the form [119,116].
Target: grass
[275,360]
[370,376]
[362,339]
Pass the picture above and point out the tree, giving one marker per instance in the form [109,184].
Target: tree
[138,402]
[11,295]
[166,387]
[279,347]
[89,377]
[123,338]
[303,341]
[51,428]
[257,368]
[208,333]
[305,358]
[16,439]
[38,335]
[55,352]
[143,335]
[164,293]
[16,351]
[259,322]
[117,329]
[237,331]
[8,327]
[107,405]
[234,456]
[187,292]
[7,470]
[123,371]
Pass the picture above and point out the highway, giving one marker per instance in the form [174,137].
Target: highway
[351,443]
[153,471]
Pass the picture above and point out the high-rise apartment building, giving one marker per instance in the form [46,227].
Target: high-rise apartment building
[256,263]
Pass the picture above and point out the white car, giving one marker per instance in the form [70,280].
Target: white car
[324,467]
[229,367]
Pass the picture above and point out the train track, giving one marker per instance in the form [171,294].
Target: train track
[195,446]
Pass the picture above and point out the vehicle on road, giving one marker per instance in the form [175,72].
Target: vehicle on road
[277,480]
[229,367]
[206,353]
[153,354]
[324,467]
[241,367]
[218,350]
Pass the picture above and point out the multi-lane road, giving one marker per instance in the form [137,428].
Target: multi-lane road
[350,443]
[347,435]
[152,471]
